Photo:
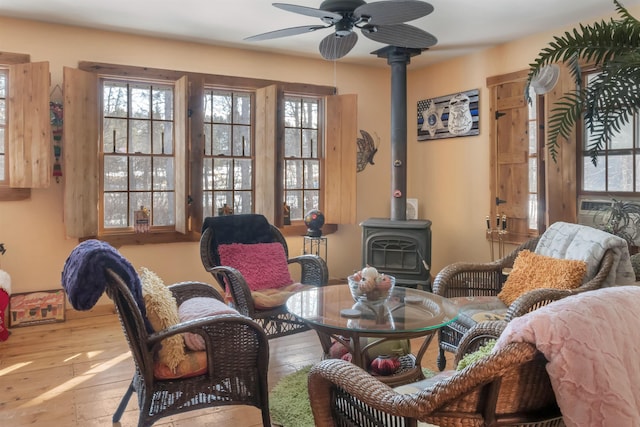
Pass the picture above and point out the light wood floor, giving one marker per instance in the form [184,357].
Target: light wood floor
[74,374]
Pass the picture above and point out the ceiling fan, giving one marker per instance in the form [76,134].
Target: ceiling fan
[381,21]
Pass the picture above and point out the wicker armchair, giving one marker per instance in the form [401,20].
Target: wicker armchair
[509,387]
[237,358]
[464,279]
[251,229]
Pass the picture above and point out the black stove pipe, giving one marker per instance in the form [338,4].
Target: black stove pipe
[398,58]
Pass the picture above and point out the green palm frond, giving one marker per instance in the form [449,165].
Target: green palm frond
[624,13]
[612,96]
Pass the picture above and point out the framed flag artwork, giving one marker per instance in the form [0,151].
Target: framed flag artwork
[449,116]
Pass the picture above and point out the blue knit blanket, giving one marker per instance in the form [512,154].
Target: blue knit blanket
[84,278]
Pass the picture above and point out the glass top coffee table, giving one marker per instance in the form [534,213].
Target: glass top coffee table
[408,313]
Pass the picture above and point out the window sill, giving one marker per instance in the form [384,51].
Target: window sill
[124,239]
[301,229]
[8,194]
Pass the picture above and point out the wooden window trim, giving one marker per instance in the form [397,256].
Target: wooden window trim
[207,79]
[345,212]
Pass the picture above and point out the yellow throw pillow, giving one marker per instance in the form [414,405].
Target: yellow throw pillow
[162,312]
[532,271]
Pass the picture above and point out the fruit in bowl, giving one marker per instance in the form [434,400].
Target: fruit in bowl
[370,286]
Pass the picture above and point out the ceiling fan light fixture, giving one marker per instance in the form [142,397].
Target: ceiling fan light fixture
[381,21]
[343,28]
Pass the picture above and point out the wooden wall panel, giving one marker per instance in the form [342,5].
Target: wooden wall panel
[561,184]
[80,153]
[29,128]
[340,159]
[266,136]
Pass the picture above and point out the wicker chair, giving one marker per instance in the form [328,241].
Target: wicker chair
[237,358]
[464,279]
[509,387]
[250,229]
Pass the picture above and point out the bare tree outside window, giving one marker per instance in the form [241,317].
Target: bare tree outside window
[618,167]
[302,154]
[138,153]
[228,156]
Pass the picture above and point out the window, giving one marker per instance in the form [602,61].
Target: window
[137,153]
[3,125]
[618,168]
[228,158]
[302,155]
[185,144]
[532,156]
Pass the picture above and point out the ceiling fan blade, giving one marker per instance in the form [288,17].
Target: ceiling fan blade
[325,15]
[393,12]
[400,35]
[333,47]
[293,31]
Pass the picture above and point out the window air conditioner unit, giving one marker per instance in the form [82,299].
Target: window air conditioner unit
[589,207]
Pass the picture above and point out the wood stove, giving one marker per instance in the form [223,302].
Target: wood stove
[399,248]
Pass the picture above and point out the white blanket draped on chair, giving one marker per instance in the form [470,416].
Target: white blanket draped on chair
[573,241]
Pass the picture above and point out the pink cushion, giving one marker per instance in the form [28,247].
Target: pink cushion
[197,308]
[263,265]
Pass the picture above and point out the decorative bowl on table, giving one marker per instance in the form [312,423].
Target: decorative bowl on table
[371,287]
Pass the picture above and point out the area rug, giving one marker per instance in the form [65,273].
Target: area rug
[289,400]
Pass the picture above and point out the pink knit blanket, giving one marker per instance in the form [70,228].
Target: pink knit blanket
[592,343]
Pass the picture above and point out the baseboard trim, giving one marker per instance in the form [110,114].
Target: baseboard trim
[98,310]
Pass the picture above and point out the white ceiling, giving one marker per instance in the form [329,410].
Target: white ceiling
[461,26]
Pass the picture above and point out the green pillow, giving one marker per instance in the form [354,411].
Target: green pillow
[470,358]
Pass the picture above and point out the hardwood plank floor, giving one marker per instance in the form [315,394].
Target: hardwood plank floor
[75,373]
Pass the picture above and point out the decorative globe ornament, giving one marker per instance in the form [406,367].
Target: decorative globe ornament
[314,219]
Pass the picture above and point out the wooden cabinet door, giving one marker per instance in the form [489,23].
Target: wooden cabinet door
[510,155]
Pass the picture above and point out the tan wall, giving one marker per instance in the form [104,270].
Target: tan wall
[33,229]
[450,177]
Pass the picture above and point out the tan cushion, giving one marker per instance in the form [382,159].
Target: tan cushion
[532,271]
[486,316]
[162,312]
[271,298]
[194,363]
[474,309]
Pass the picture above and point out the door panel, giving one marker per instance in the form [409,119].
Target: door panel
[511,151]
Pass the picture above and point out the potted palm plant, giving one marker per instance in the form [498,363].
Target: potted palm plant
[622,219]
[612,97]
